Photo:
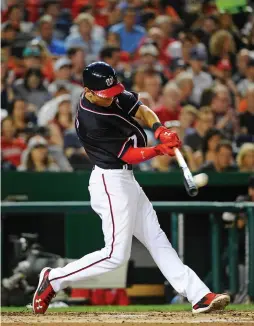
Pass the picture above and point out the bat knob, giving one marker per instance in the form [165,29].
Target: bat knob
[192,190]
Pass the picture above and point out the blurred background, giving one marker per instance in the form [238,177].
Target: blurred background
[192,62]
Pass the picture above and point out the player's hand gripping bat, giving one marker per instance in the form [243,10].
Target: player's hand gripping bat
[189,182]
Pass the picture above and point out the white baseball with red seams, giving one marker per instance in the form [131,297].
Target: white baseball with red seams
[126,211]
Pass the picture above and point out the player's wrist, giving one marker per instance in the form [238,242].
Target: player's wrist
[156,125]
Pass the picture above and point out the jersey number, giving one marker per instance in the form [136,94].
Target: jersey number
[135,140]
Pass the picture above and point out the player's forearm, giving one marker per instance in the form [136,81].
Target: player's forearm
[139,154]
[135,155]
[147,116]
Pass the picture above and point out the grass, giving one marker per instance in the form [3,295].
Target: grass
[136,308]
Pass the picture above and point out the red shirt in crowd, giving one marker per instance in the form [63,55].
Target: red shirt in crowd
[165,114]
[12,150]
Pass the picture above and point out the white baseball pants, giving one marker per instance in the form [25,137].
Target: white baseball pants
[126,211]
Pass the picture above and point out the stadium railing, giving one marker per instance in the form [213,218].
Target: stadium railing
[177,210]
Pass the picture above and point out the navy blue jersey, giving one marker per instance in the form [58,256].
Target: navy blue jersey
[107,132]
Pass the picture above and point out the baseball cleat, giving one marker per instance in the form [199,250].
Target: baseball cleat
[211,302]
[44,293]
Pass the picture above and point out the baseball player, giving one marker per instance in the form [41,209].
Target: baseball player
[114,141]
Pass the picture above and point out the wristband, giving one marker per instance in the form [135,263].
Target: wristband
[156,125]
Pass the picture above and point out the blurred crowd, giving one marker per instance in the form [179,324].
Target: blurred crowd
[189,61]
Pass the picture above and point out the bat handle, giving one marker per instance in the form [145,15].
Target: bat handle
[189,182]
[180,159]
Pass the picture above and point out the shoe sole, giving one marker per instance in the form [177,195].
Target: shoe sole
[217,304]
[40,280]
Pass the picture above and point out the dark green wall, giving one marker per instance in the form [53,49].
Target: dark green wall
[83,231]
[73,186]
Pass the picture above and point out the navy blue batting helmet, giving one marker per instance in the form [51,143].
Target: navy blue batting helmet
[101,78]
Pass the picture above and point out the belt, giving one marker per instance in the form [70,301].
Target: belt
[116,167]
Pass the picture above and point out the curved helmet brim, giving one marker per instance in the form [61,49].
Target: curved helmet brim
[110,92]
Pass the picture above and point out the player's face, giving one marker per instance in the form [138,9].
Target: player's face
[98,100]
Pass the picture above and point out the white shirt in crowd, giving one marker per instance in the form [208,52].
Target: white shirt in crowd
[201,82]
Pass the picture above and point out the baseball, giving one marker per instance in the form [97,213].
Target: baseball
[201,179]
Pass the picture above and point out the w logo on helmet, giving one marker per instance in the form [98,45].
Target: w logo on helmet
[110,81]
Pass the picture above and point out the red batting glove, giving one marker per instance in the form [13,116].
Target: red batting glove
[167,136]
[164,149]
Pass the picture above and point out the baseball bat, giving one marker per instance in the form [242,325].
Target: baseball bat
[189,182]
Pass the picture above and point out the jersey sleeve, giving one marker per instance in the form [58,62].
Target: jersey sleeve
[129,102]
[110,141]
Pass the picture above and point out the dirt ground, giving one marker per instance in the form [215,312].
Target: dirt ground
[223,318]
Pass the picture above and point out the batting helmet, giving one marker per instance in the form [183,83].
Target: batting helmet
[102,80]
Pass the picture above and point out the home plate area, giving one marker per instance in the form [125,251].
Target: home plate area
[131,319]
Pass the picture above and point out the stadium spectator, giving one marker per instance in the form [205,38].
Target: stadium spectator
[11,146]
[38,158]
[46,65]
[32,58]
[61,122]
[177,67]
[210,26]
[77,56]
[138,79]
[60,18]
[178,59]
[250,39]
[146,99]
[201,79]
[9,33]
[147,20]
[185,83]
[249,77]
[166,24]
[224,161]
[208,148]
[225,114]
[205,121]
[45,33]
[130,33]
[21,117]
[242,59]
[111,55]
[15,17]
[187,119]
[170,107]
[161,163]
[158,37]
[113,39]
[86,36]
[62,68]
[226,23]
[32,90]
[153,85]
[75,153]
[222,47]
[49,109]
[247,117]
[245,158]
[7,94]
